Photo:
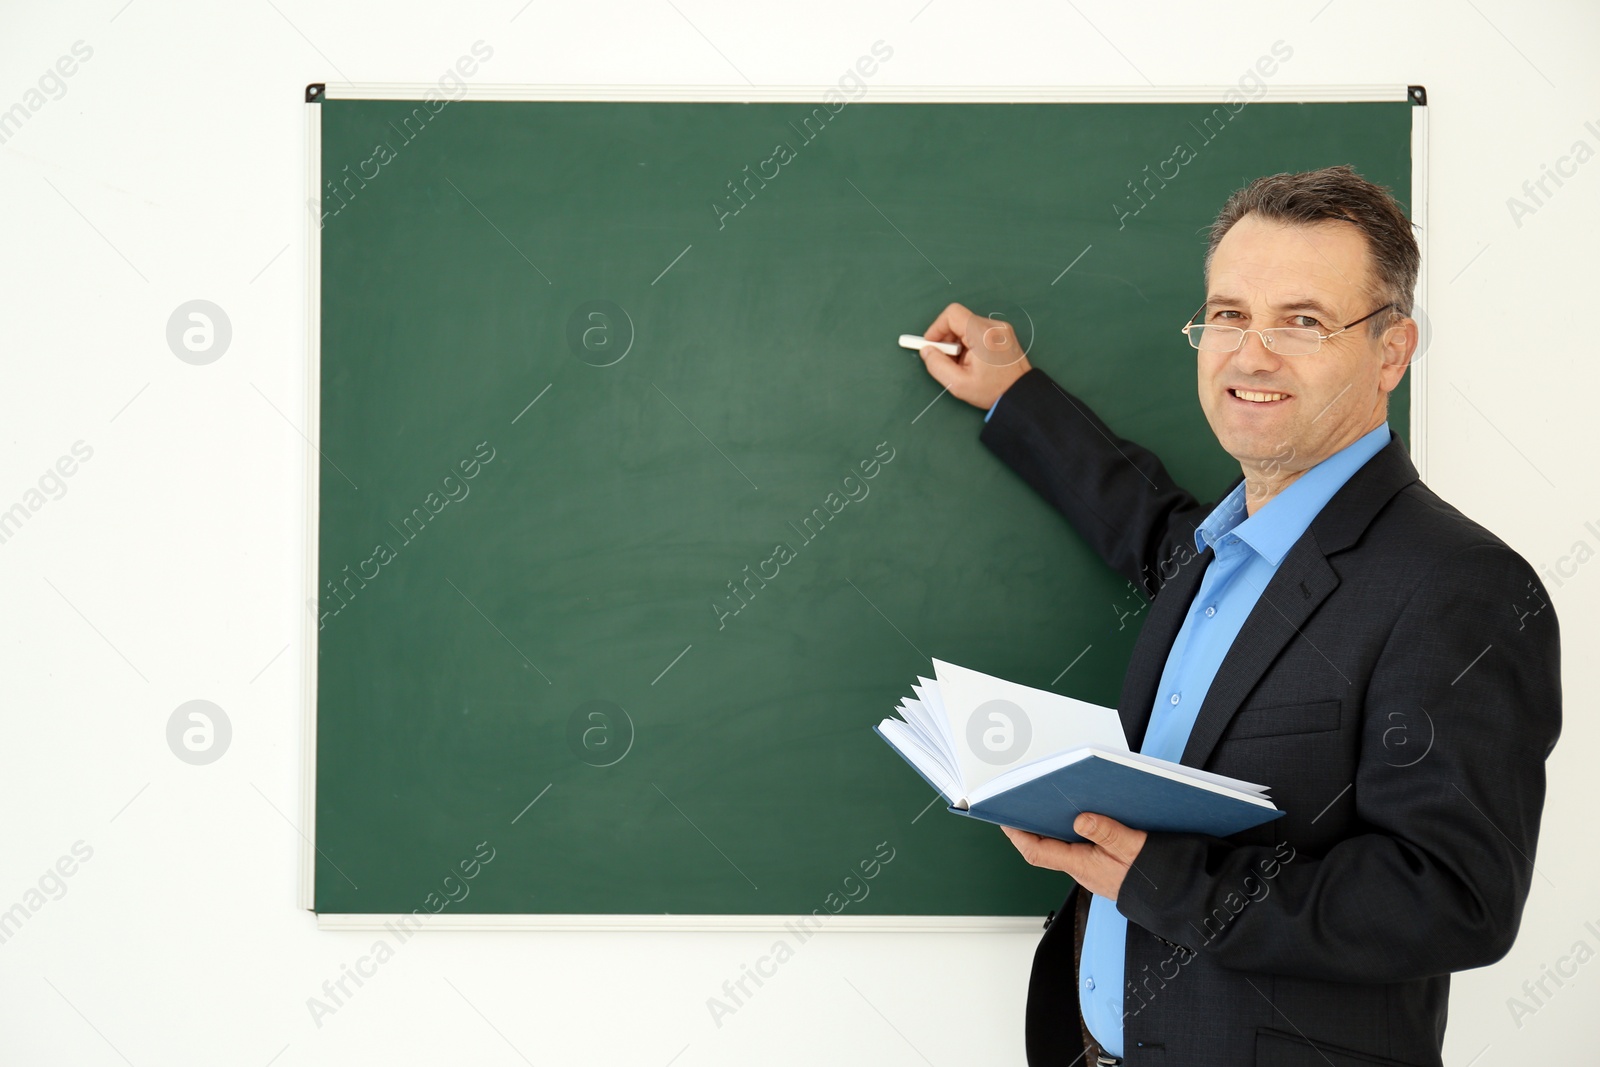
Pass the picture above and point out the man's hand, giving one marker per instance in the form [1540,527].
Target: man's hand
[991,357]
[1098,865]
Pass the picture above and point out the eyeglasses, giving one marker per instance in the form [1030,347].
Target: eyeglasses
[1284,340]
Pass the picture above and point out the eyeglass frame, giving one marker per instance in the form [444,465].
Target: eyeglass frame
[1322,338]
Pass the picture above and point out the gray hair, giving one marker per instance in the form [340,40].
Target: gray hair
[1336,193]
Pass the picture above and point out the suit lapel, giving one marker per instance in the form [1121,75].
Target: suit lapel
[1303,581]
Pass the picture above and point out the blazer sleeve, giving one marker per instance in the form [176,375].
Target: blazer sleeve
[1434,874]
[1117,494]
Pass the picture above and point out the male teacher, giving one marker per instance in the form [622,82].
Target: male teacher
[1330,628]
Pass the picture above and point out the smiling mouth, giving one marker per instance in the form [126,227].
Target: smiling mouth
[1257,397]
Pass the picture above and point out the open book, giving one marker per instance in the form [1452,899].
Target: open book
[1023,757]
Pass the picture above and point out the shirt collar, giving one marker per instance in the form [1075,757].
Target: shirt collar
[1274,529]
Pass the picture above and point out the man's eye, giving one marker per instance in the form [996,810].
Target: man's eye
[1308,322]
[1217,315]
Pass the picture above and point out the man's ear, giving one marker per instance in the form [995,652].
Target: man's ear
[1397,345]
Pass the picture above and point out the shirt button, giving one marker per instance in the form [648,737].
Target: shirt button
[1233,540]
[1088,983]
[1174,698]
[1210,611]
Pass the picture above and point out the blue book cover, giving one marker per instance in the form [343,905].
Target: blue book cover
[1130,794]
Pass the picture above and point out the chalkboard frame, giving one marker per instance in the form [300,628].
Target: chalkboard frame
[318,92]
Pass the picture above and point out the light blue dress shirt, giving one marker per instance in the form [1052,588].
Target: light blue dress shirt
[1248,551]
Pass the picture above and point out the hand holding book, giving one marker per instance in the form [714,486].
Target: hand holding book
[1099,864]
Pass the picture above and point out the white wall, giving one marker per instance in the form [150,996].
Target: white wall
[173,168]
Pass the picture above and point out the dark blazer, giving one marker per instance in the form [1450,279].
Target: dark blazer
[1398,688]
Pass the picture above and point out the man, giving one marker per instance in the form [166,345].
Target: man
[1330,628]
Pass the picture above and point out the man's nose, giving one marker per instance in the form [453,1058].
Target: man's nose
[1254,355]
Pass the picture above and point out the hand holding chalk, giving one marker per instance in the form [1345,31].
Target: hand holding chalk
[916,342]
[979,358]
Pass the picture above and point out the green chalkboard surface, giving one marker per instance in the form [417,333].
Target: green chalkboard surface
[633,519]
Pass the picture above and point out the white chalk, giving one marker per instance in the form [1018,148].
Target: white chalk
[917,343]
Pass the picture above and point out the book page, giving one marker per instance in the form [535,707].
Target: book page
[1198,775]
[995,725]
[929,764]
[920,722]
[933,703]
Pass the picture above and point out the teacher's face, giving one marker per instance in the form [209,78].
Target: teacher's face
[1285,414]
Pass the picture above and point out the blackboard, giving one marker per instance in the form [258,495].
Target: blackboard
[579,376]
